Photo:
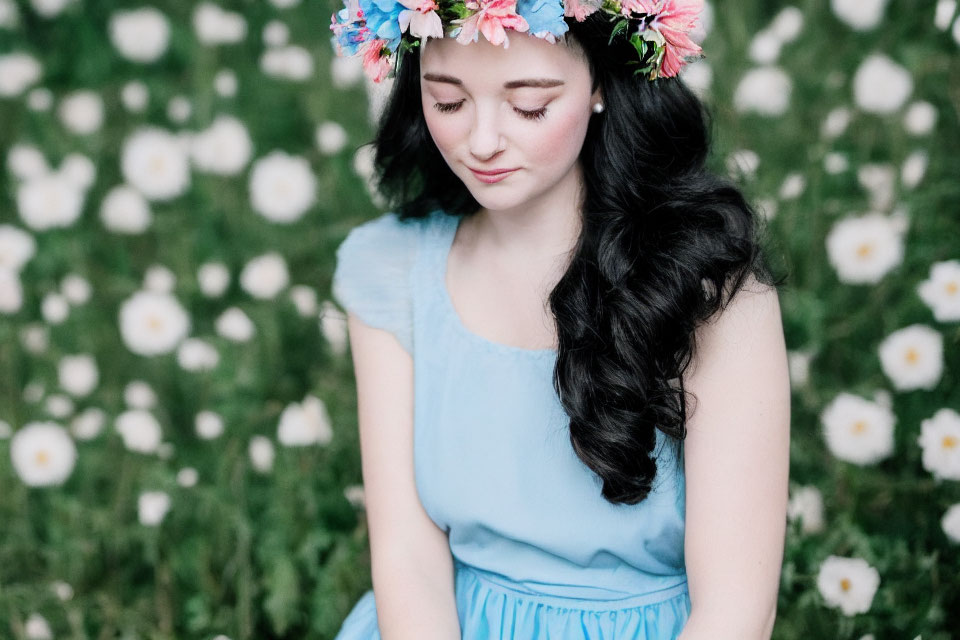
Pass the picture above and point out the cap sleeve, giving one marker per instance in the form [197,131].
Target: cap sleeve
[372,275]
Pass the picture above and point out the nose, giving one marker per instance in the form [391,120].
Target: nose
[485,138]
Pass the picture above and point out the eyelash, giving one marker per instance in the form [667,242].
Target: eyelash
[447,107]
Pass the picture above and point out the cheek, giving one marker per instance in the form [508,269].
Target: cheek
[559,139]
[444,131]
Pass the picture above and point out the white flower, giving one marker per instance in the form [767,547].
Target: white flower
[743,162]
[233,324]
[305,423]
[944,14]
[940,441]
[793,185]
[225,83]
[363,161]
[76,289]
[282,187]
[848,583]
[154,163]
[43,454]
[125,210]
[78,374]
[880,85]
[82,112]
[134,96]
[333,327]
[62,589]
[54,308]
[860,15]
[78,169]
[35,337]
[765,47]
[39,98]
[950,522]
[764,91]
[49,201]
[159,278]
[864,249]
[355,495]
[6,431]
[140,430]
[187,477]
[291,62]
[49,8]
[330,137]
[17,248]
[37,628]
[857,430]
[195,354]
[152,506]
[914,168]
[179,109]
[59,406]
[213,278]
[140,35]
[955,32]
[806,505]
[17,72]
[920,118]
[223,148]
[835,162]
[214,25]
[941,291]
[836,123]
[152,323]
[88,424]
[787,24]
[265,276]
[276,34]
[261,453]
[208,425]
[799,366]
[304,299]
[9,14]
[912,357]
[139,395]
[284,4]
[26,161]
[698,75]
[879,180]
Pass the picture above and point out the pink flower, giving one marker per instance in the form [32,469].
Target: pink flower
[580,9]
[422,18]
[675,19]
[376,60]
[492,19]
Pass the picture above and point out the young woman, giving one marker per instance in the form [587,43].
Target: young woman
[558,281]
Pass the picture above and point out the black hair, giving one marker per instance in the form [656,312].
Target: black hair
[665,243]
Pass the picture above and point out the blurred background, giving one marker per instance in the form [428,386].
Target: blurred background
[178,442]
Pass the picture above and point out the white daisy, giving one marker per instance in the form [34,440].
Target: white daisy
[304,299]
[806,505]
[940,440]
[152,506]
[305,423]
[860,15]
[864,249]
[265,276]
[138,394]
[54,308]
[223,148]
[208,425]
[261,452]
[78,374]
[81,111]
[140,35]
[920,118]
[139,430]
[187,477]
[848,583]
[290,62]
[195,354]
[125,210]
[214,25]
[36,627]
[18,71]
[282,187]
[213,278]
[225,83]
[941,291]
[134,96]
[914,168]
[153,323]
[43,454]
[912,357]
[330,137]
[950,522]
[88,424]
[233,324]
[26,161]
[17,248]
[49,201]
[76,289]
[880,85]
[153,161]
[857,430]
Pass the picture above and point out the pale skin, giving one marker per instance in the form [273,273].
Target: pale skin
[502,265]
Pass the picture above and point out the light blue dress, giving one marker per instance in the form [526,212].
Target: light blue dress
[538,553]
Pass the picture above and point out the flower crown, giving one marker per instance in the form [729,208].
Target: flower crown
[378,29]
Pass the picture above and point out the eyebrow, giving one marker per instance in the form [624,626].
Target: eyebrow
[542,83]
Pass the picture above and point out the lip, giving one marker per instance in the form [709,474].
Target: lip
[493,175]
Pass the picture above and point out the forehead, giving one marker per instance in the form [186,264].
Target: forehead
[479,63]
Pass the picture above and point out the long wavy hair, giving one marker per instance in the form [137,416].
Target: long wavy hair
[664,245]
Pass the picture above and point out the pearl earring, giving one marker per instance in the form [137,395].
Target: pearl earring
[598,107]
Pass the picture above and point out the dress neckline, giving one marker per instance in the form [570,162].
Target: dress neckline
[449,225]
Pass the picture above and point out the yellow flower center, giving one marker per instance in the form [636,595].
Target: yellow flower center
[864,250]
[952,288]
[155,323]
[911,356]
[42,458]
[845,584]
[949,442]
[859,426]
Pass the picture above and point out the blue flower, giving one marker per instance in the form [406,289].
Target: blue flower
[348,34]
[543,16]
[383,18]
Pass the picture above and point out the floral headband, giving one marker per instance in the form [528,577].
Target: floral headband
[379,29]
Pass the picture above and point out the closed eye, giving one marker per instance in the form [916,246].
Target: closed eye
[446,107]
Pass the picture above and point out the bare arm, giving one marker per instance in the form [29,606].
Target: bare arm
[736,458]
[412,567]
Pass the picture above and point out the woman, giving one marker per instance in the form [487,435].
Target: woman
[558,274]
